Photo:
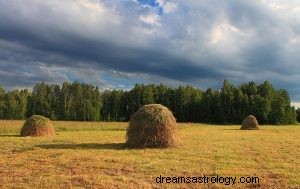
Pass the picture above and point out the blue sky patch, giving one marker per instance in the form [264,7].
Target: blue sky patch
[151,3]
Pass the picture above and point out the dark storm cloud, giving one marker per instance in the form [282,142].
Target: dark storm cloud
[102,54]
[110,56]
[187,41]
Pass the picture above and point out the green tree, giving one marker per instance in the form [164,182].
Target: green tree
[147,96]
[281,110]
[298,115]
[2,102]
[41,100]
[15,103]
[249,89]
[84,102]
[161,95]
[227,105]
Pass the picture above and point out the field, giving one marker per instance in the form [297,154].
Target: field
[92,155]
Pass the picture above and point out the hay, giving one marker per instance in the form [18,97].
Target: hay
[36,126]
[152,126]
[250,123]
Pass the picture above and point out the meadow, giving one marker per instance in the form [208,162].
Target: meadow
[92,155]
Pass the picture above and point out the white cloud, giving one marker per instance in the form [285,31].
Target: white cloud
[167,6]
[152,19]
[296,104]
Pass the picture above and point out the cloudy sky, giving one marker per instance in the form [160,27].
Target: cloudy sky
[117,43]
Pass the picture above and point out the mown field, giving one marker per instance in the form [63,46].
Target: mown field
[92,155]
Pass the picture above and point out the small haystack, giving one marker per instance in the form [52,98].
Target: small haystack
[250,123]
[36,126]
[152,126]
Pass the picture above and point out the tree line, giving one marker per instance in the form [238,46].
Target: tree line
[84,102]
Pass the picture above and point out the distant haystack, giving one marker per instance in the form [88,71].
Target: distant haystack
[36,126]
[250,123]
[152,126]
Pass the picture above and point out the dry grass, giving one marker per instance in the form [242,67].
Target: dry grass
[250,123]
[36,126]
[13,127]
[152,126]
[97,158]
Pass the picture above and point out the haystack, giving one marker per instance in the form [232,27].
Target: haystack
[37,126]
[152,126]
[250,123]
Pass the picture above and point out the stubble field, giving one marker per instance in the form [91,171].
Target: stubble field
[92,155]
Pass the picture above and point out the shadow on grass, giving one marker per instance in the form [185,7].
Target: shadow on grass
[230,129]
[242,129]
[112,146]
[9,135]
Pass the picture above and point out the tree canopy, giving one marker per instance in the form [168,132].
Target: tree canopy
[84,102]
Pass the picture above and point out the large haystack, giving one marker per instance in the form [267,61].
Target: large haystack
[152,126]
[36,126]
[250,123]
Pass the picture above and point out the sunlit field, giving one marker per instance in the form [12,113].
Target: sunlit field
[92,155]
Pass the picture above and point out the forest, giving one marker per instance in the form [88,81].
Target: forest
[85,102]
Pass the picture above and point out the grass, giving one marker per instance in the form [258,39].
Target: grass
[13,127]
[92,155]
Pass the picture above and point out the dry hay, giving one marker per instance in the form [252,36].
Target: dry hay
[152,126]
[36,126]
[250,123]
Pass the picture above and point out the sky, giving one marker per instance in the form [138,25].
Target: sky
[116,43]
